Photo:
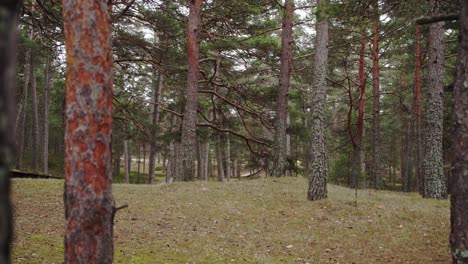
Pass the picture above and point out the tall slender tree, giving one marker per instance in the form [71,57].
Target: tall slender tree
[375,172]
[358,142]
[35,120]
[459,180]
[189,123]
[280,144]
[8,19]
[318,167]
[89,205]
[433,173]
[45,132]
[155,122]
[22,110]
[417,112]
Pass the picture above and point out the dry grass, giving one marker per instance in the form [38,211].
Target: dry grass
[252,221]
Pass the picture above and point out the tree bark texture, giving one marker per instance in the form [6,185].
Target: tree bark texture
[434,181]
[45,132]
[8,37]
[376,170]
[154,123]
[189,123]
[279,145]
[407,143]
[405,157]
[318,167]
[21,116]
[89,205]
[35,120]
[459,180]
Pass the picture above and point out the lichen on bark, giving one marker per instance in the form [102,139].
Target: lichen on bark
[89,206]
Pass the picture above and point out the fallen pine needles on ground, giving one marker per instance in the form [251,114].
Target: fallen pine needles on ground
[251,221]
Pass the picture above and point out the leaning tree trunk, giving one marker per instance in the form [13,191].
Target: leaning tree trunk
[279,145]
[21,116]
[318,167]
[35,121]
[375,170]
[459,180]
[8,35]
[89,206]
[434,182]
[189,123]
[45,132]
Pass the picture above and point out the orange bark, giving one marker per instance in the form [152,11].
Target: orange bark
[88,108]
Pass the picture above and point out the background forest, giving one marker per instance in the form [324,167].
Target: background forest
[240,50]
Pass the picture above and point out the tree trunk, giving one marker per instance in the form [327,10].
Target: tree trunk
[459,180]
[139,161]
[89,206]
[206,158]
[219,160]
[117,154]
[417,113]
[154,123]
[375,170]
[35,121]
[126,162]
[8,36]
[434,182]
[189,123]
[318,167]
[199,161]
[357,146]
[407,143]
[238,163]
[406,180]
[228,158]
[279,145]
[21,117]
[45,132]
[144,158]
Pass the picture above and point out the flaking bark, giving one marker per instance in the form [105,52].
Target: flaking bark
[89,206]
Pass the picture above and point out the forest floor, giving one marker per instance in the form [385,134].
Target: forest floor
[251,221]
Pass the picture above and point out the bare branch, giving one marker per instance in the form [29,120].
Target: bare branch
[439,18]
